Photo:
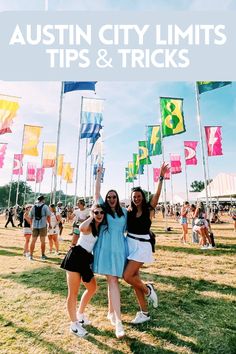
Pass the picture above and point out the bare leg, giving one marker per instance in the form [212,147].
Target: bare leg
[56,243]
[32,245]
[43,244]
[114,295]
[73,283]
[27,240]
[91,288]
[132,277]
[50,243]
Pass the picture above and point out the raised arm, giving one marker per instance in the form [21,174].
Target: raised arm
[155,198]
[85,226]
[98,185]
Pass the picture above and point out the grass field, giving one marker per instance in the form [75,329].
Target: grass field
[196,288]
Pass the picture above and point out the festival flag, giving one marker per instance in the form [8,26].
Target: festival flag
[49,154]
[17,164]
[92,117]
[31,172]
[8,110]
[204,86]
[79,86]
[3,147]
[214,141]
[31,137]
[154,140]
[175,164]
[135,164]
[39,174]
[66,170]
[70,175]
[60,161]
[172,116]
[143,153]
[129,177]
[190,152]
[156,174]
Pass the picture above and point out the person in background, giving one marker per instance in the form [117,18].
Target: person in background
[10,217]
[40,216]
[77,264]
[110,252]
[201,226]
[139,246]
[195,238]
[53,230]
[233,215]
[79,215]
[27,229]
[184,221]
[21,216]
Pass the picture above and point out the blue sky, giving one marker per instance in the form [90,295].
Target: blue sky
[129,107]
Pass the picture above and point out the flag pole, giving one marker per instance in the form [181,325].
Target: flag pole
[78,152]
[66,193]
[21,164]
[51,193]
[147,164]
[171,184]
[85,170]
[202,143]
[58,143]
[163,160]
[90,178]
[41,166]
[186,178]
[10,187]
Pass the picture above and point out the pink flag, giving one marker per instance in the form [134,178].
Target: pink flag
[156,174]
[17,164]
[3,148]
[39,174]
[214,141]
[175,164]
[31,172]
[190,152]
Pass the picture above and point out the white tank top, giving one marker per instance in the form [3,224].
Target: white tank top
[87,241]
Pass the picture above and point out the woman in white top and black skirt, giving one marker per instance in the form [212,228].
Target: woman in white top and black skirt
[139,246]
[78,264]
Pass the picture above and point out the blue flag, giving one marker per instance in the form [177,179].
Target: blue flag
[204,86]
[92,117]
[79,85]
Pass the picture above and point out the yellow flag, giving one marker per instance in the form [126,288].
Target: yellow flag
[8,111]
[70,176]
[31,140]
[60,165]
[49,154]
[66,170]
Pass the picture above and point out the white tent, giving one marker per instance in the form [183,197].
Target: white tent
[223,185]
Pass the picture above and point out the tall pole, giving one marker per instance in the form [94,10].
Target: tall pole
[171,185]
[201,143]
[51,192]
[186,178]
[58,144]
[163,160]
[78,153]
[41,166]
[21,163]
[9,195]
[90,177]
[85,170]
[25,193]
[66,193]
[147,165]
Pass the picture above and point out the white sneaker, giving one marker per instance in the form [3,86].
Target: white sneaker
[204,247]
[152,296]
[119,330]
[78,330]
[140,318]
[83,319]
[210,246]
[112,318]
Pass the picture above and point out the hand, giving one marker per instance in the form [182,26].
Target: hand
[99,170]
[164,168]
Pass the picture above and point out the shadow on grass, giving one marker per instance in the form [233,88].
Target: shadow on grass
[221,249]
[35,337]
[12,248]
[207,323]
[9,253]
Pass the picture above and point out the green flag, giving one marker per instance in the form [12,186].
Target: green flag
[172,116]
[204,86]
[135,164]
[128,178]
[143,153]
[154,140]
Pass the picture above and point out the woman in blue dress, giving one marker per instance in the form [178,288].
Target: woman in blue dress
[110,252]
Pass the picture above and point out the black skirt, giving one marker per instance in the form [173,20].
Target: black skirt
[80,261]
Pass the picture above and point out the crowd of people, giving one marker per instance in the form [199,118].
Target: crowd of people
[112,241]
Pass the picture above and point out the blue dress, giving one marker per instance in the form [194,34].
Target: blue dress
[110,251]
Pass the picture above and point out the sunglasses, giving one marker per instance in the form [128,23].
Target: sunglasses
[111,197]
[98,212]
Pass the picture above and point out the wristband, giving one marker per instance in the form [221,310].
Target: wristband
[161,178]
